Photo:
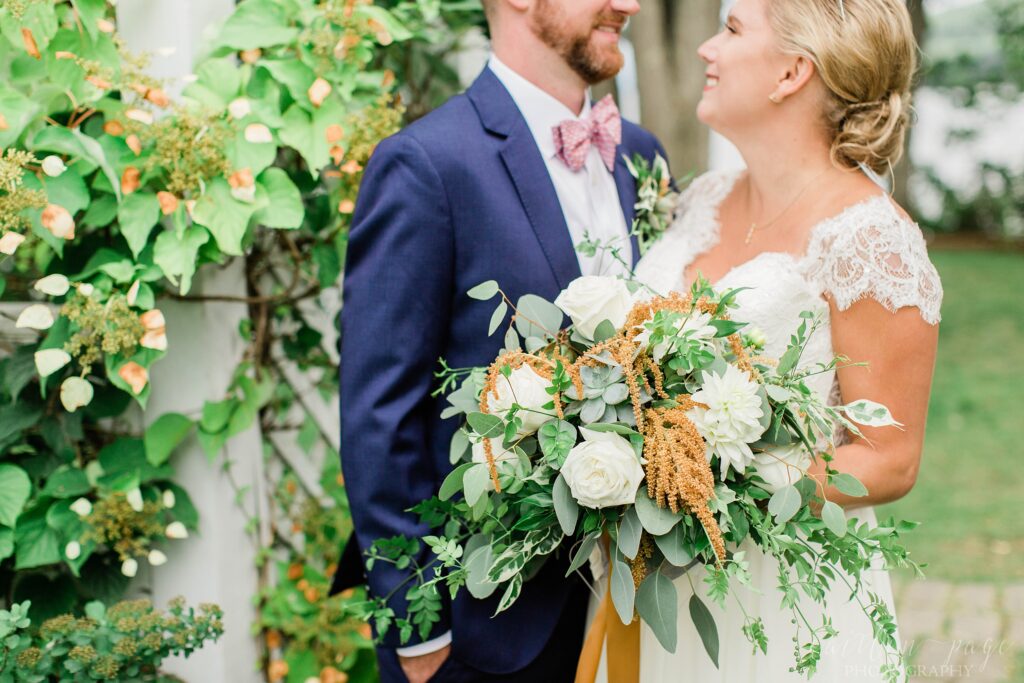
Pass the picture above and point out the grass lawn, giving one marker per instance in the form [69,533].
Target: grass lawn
[970,493]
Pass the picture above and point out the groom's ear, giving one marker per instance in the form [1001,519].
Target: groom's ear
[799,72]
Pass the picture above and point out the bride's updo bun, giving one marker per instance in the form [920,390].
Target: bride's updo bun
[865,54]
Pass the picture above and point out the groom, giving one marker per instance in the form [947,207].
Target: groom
[501,183]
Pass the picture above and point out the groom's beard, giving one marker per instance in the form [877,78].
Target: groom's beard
[593,63]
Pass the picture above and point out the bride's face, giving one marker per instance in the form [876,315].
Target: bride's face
[743,69]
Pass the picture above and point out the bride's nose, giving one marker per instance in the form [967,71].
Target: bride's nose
[706,51]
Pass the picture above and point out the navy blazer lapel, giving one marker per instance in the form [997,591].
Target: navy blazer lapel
[529,173]
[626,185]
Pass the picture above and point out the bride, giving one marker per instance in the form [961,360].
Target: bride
[810,91]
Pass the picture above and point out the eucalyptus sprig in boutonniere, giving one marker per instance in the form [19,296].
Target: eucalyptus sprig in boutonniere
[656,200]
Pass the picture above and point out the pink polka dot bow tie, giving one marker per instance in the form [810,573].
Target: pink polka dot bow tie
[602,127]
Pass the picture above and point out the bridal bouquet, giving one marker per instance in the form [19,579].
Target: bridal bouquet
[654,432]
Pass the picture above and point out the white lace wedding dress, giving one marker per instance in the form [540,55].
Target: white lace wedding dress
[867,251]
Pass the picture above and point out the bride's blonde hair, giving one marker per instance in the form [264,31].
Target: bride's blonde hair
[865,54]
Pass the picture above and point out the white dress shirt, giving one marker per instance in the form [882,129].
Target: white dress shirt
[589,197]
[590,204]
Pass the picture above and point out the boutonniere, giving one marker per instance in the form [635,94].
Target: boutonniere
[655,199]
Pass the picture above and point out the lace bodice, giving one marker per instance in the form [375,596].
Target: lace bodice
[868,250]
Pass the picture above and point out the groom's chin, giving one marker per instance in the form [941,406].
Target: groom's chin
[596,61]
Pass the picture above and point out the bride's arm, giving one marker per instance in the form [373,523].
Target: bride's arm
[900,351]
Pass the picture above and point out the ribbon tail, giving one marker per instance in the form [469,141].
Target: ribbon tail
[623,642]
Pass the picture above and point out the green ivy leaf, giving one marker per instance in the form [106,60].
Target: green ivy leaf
[36,542]
[256,23]
[15,488]
[284,207]
[161,438]
[136,216]
[293,75]
[225,217]
[177,256]
[18,110]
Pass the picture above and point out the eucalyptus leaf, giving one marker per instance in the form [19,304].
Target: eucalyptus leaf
[673,546]
[537,317]
[566,508]
[706,628]
[487,426]
[630,531]
[784,503]
[582,554]
[604,330]
[475,482]
[834,518]
[452,484]
[849,484]
[657,604]
[497,318]
[476,567]
[658,521]
[622,589]
[483,291]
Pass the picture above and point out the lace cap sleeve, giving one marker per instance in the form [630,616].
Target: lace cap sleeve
[871,251]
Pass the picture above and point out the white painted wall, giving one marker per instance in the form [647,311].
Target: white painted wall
[218,563]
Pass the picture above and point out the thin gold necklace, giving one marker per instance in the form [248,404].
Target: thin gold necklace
[753,226]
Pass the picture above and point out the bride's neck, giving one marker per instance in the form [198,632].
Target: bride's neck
[781,166]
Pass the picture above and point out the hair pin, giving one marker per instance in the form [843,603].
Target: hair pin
[842,10]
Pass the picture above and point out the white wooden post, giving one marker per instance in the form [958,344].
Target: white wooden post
[218,563]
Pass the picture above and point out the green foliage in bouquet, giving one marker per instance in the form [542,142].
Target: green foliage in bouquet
[115,196]
[126,641]
[659,433]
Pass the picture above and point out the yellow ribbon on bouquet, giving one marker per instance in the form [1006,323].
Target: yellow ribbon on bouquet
[623,641]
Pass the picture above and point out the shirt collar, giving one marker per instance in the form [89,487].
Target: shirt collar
[541,110]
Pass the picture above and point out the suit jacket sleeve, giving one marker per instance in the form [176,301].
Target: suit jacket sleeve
[395,320]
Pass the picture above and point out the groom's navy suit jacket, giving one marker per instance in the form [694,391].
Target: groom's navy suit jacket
[459,197]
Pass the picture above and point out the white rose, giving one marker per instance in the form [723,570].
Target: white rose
[497,450]
[780,467]
[528,390]
[592,299]
[156,558]
[732,419]
[603,471]
[696,326]
[73,550]
[82,507]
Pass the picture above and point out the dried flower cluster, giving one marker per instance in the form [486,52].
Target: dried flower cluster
[103,328]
